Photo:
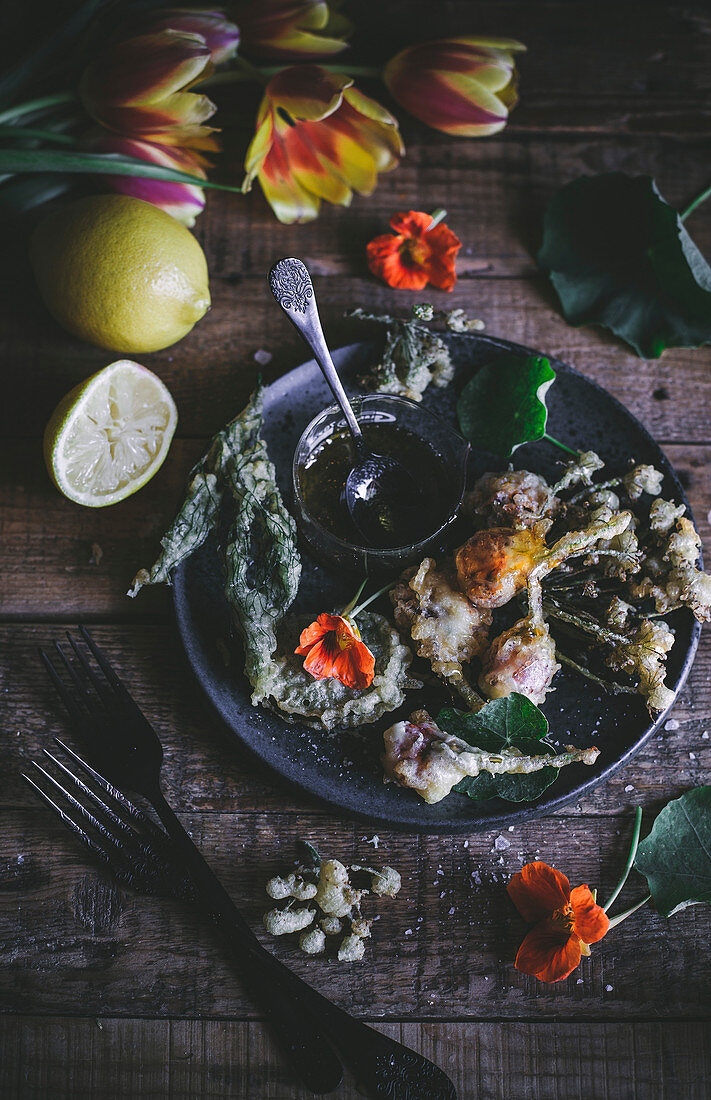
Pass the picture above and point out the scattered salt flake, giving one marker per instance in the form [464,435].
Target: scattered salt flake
[443,894]
[452,911]
[672,724]
[705,735]
[511,828]
[262,356]
[692,756]
[374,840]
[609,988]
[501,843]
[408,931]
[629,787]
[466,842]
[477,878]
[580,981]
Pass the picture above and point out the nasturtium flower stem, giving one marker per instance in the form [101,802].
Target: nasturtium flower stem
[696,202]
[557,443]
[351,604]
[371,599]
[628,912]
[437,216]
[34,106]
[630,861]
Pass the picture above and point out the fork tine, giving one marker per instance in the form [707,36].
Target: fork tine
[86,667]
[81,809]
[102,661]
[98,850]
[67,698]
[87,696]
[117,796]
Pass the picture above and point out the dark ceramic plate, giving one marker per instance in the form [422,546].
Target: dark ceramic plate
[344,769]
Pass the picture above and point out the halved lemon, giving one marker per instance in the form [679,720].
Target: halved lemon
[110,434]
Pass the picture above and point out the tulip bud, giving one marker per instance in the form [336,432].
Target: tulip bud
[183,201]
[139,87]
[290,29]
[220,35]
[462,86]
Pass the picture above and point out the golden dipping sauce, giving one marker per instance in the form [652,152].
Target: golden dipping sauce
[324,473]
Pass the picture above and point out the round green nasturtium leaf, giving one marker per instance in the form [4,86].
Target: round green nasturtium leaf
[503,405]
[502,723]
[619,256]
[676,856]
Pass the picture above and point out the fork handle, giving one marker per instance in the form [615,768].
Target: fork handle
[312,1056]
[387,1069]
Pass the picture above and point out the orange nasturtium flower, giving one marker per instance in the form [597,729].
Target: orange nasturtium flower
[414,254]
[333,650]
[465,87]
[565,921]
[317,138]
[139,87]
[296,30]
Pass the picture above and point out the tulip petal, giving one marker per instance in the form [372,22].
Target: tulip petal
[537,890]
[220,35]
[298,29]
[308,92]
[591,920]
[547,954]
[183,201]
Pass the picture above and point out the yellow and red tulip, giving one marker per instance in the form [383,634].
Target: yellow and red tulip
[139,86]
[290,29]
[318,137]
[221,35]
[183,201]
[465,87]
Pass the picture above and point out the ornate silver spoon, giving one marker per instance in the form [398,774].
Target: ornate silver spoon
[383,499]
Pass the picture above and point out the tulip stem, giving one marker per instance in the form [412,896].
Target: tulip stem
[240,71]
[696,202]
[34,105]
[9,131]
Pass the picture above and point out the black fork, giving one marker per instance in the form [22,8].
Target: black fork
[123,746]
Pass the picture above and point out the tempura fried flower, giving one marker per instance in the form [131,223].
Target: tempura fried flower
[515,498]
[418,754]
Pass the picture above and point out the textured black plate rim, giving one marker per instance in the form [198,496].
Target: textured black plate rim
[522,812]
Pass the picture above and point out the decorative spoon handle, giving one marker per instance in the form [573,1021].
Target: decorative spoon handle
[293,290]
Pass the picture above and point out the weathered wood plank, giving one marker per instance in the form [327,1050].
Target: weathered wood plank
[443,949]
[487,1061]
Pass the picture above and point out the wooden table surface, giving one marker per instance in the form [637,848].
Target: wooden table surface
[107,994]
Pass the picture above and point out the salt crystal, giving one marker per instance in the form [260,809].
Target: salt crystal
[466,843]
[705,735]
[609,988]
[374,840]
[692,756]
[408,931]
[501,843]
[672,724]
[452,911]
[629,787]
[580,981]
[262,356]
[511,828]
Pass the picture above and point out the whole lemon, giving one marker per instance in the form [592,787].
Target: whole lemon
[120,273]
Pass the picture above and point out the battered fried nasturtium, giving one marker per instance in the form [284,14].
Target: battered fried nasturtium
[332,905]
[419,755]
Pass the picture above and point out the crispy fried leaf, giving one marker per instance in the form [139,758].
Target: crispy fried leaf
[676,856]
[618,255]
[504,406]
[514,722]
[233,493]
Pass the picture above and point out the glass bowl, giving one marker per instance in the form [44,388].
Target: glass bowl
[400,412]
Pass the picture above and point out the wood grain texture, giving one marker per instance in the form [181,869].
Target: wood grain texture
[106,994]
[81,1059]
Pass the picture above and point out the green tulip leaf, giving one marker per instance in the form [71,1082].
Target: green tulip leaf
[619,256]
[675,858]
[503,723]
[111,164]
[503,405]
